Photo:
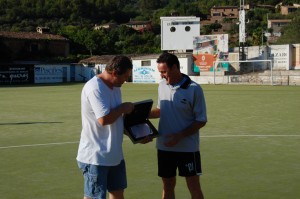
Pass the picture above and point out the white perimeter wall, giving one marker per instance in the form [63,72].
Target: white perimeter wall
[281,55]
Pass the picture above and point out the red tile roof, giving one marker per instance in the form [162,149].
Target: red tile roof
[31,36]
[138,22]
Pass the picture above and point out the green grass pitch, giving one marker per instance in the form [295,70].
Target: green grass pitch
[250,145]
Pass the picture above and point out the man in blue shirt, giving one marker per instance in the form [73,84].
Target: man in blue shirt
[182,112]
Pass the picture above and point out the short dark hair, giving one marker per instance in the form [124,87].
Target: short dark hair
[169,59]
[120,64]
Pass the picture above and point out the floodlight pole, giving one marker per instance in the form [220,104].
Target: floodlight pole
[242,34]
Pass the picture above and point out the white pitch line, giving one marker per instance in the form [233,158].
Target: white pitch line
[221,136]
[33,145]
[202,136]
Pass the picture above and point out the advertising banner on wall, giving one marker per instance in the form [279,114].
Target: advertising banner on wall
[62,73]
[204,61]
[143,74]
[16,74]
[210,48]
[281,56]
[50,73]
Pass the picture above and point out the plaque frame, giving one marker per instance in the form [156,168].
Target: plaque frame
[137,125]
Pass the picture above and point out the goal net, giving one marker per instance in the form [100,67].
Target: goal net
[244,72]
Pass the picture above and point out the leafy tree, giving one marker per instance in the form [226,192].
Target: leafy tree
[257,37]
[287,2]
[291,33]
[149,4]
[208,29]
[74,19]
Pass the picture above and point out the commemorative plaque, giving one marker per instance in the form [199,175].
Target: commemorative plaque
[137,125]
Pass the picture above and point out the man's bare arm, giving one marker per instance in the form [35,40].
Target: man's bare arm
[114,114]
[155,113]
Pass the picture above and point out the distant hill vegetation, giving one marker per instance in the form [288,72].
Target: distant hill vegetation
[75,20]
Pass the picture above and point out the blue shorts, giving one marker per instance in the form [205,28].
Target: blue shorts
[100,179]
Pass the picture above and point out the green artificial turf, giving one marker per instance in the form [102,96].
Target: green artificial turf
[250,145]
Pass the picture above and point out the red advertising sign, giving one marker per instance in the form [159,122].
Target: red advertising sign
[204,61]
